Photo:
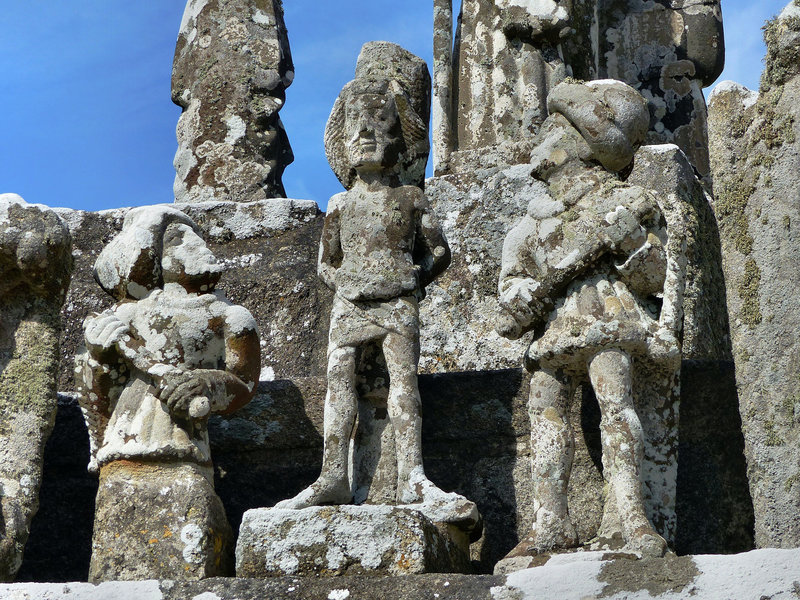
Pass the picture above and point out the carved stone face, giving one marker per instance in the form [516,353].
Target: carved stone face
[373,132]
[188,261]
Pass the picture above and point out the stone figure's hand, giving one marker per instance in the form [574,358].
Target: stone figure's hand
[103,331]
[507,326]
[183,392]
[624,229]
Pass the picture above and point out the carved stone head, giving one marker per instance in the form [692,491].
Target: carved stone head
[609,117]
[380,119]
[157,244]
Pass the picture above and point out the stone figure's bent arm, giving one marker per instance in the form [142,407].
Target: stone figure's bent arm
[431,250]
[330,247]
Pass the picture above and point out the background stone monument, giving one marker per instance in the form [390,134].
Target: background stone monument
[231,70]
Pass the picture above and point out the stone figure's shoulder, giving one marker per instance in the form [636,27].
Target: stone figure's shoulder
[337,202]
[239,320]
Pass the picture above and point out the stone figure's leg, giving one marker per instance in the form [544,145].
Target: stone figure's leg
[623,449]
[405,411]
[341,409]
[552,451]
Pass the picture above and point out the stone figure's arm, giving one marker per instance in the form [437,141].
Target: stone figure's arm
[103,369]
[330,246]
[431,250]
[520,289]
[226,389]
[705,42]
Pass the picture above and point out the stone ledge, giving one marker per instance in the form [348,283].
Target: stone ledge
[761,573]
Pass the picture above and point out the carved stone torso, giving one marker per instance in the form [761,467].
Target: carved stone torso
[377,241]
[178,329]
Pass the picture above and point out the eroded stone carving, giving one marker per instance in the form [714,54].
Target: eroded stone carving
[381,246]
[755,158]
[596,270]
[507,60]
[157,363]
[231,70]
[669,50]
[35,270]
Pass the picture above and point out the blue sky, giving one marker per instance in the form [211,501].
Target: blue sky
[86,119]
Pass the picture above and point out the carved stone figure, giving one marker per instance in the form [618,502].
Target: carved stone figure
[755,152]
[157,363]
[507,60]
[35,270]
[231,70]
[669,50]
[381,246]
[596,271]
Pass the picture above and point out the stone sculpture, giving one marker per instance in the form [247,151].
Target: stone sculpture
[669,51]
[35,270]
[507,60]
[755,158]
[595,269]
[381,246]
[231,70]
[157,363]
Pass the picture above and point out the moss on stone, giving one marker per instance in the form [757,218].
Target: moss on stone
[773,438]
[782,62]
[731,204]
[789,484]
[750,313]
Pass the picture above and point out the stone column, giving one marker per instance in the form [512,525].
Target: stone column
[35,270]
[755,158]
[231,70]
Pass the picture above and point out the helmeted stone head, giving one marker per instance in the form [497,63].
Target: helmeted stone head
[157,244]
[380,119]
[604,121]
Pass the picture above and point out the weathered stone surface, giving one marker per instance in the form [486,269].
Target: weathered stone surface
[158,519]
[344,540]
[165,356]
[756,158]
[668,51]
[35,270]
[231,70]
[758,574]
[269,251]
[507,58]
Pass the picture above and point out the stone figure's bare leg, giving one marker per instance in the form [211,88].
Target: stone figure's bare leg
[552,451]
[405,412]
[341,408]
[623,449]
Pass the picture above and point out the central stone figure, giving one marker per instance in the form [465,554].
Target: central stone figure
[381,245]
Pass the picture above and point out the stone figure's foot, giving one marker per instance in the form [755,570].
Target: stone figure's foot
[321,492]
[543,540]
[647,542]
[438,505]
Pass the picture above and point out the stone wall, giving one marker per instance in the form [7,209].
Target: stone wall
[755,159]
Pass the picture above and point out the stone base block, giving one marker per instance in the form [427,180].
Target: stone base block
[344,540]
[158,521]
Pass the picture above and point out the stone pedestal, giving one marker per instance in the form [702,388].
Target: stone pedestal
[347,540]
[158,521]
